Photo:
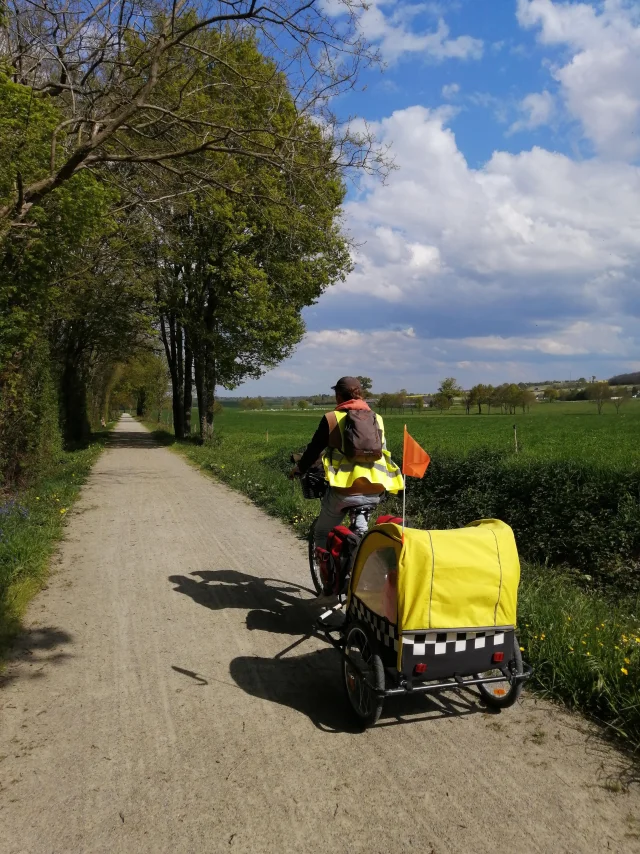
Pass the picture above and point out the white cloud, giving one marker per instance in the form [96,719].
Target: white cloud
[537,109]
[391,26]
[600,83]
[577,339]
[533,214]
[450,90]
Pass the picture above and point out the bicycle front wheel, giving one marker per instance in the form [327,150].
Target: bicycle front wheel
[314,565]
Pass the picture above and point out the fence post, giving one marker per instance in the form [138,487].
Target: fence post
[515,436]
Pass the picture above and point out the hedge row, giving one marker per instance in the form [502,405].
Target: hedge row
[563,512]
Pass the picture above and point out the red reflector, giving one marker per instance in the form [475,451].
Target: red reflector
[420,668]
[498,656]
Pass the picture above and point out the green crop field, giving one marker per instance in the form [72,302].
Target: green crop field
[548,431]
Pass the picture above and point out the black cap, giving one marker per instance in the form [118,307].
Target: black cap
[346,386]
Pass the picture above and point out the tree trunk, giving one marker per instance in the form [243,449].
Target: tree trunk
[173,350]
[199,381]
[73,402]
[209,397]
[188,383]
[141,401]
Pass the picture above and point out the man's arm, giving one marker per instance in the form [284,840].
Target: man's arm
[315,447]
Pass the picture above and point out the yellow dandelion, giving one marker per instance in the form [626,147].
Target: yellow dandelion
[521,649]
[624,670]
[542,636]
[569,618]
[588,653]
[597,628]
[571,649]
[637,640]
[584,643]
[37,498]
[600,643]
[615,646]
[627,661]
[63,510]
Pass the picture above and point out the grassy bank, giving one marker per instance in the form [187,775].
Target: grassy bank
[583,642]
[31,522]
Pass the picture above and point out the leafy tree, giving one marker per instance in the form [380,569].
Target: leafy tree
[442,401]
[450,389]
[419,403]
[303,404]
[599,393]
[119,79]
[366,384]
[142,383]
[236,273]
[551,393]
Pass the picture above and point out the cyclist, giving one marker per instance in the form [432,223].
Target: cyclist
[358,480]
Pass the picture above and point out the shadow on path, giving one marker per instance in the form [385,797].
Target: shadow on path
[33,651]
[137,439]
[310,683]
[273,605]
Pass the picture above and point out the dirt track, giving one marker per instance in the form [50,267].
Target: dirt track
[146,709]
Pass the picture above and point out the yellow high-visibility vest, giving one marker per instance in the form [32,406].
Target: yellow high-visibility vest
[342,473]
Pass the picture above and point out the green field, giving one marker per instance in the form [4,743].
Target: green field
[549,431]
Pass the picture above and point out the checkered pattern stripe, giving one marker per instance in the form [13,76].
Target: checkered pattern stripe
[385,631]
[443,643]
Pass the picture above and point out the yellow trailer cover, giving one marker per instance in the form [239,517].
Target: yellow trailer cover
[461,578]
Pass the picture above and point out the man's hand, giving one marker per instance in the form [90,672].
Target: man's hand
[295,472]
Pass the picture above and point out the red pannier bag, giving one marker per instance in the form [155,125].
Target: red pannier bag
[341,544]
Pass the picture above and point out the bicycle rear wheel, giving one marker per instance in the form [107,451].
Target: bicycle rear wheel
[314,565]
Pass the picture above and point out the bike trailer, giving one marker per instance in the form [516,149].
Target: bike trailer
[428,610]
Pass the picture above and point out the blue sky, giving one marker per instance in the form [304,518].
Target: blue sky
[506,244]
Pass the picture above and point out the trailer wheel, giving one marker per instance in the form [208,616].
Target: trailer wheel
[366,704]
[501,695]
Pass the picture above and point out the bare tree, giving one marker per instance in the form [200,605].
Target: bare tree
[126,76]
[599,393]
[621,396]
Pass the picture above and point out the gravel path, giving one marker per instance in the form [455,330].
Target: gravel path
[152,706]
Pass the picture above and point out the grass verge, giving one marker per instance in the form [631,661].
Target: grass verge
[31,522]
[583,643]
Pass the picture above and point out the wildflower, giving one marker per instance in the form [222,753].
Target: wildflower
[637,640]
[588,653]
[627,661]
[571,649]
[615,646]
[37,498]
[624,670]
[521,649]
[597,628]
[600,643]
[63,510]
[542,636]
[584,643]
[569,619]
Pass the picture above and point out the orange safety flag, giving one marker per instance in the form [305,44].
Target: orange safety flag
[414,458]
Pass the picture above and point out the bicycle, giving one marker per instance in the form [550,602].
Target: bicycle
[314,485]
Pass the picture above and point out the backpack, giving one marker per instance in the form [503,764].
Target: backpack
[362,438]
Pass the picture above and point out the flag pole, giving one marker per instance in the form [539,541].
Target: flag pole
[404,480]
